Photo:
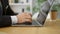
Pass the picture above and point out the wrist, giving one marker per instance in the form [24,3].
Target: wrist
[14,19]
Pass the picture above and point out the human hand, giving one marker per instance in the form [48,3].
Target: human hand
[24,17]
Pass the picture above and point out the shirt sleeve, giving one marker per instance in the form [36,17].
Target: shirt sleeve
[14,19]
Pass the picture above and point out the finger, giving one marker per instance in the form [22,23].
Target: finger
[27,14]
[28,20]
[27,17]
[30,14]
[25,20]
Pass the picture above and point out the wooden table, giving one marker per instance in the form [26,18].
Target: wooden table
[50,27]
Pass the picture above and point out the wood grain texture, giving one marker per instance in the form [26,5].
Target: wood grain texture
[50,27]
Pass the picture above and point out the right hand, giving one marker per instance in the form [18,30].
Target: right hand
[24,17]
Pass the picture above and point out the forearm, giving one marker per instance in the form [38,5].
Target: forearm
[5,21]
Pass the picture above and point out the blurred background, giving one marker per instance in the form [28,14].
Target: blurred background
[33,6]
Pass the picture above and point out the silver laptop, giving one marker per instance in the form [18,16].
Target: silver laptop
[34,23]
[41,17]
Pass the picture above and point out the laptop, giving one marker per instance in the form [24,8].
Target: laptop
[40,19]
[34,23]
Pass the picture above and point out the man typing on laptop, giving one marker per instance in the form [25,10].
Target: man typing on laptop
[24,17]
[8,17]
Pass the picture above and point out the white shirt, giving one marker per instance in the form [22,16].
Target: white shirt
[14,19]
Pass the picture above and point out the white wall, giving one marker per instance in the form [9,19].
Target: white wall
[17,8]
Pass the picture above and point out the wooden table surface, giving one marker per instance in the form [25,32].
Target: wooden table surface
[50,27]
